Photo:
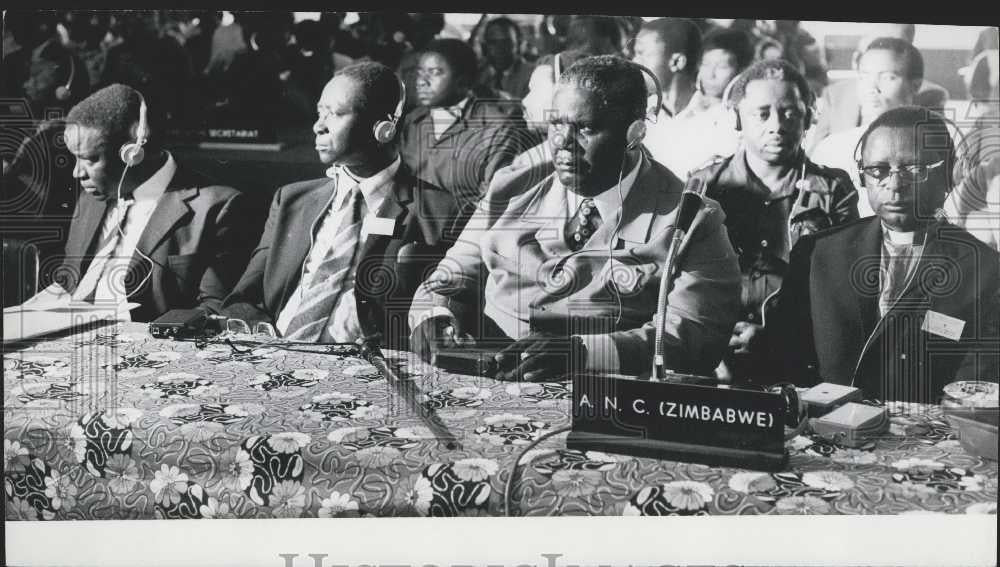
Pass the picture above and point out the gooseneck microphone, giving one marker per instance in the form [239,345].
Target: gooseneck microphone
[411,394]
[692,200]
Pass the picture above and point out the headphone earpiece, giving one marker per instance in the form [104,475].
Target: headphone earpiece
[133,153]
[65,92]
[385,130]
[635,134]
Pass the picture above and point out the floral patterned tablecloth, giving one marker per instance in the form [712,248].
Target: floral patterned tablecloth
[114,424]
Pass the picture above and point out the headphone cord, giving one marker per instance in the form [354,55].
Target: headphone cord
[509,484]
[121,234]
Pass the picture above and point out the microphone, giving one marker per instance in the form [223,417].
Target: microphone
[411,394]
[692,200]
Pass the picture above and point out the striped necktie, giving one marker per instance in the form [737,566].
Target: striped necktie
[100,268]
[320,297]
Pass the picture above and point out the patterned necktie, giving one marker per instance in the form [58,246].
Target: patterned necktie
[896,268]
[581,227]
[99,269]
[327,284]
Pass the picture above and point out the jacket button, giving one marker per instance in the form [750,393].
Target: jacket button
[902,356]
[763,244]
[752,317]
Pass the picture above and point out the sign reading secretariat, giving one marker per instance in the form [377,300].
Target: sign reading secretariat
[686,418]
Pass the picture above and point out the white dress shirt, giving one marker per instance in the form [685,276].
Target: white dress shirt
[343,325]
[897,246]
[444,116]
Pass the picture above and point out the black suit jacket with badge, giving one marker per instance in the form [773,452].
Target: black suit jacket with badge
[825,324]
[390,266]
[823,198]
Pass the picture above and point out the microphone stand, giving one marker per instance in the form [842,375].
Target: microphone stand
[409,391]
[692,200]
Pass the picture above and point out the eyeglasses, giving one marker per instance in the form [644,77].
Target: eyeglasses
[914,172]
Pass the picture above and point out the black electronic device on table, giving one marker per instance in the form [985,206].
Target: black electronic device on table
[179,324]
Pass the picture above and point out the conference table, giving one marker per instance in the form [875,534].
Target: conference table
[111,423]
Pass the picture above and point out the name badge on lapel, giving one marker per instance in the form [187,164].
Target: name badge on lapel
[379,225]
[943,325]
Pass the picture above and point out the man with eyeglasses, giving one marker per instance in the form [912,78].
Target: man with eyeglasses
[901,303]
[890,72]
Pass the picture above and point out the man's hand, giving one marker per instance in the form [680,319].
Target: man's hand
[435,333]
[746,337]
[540,357]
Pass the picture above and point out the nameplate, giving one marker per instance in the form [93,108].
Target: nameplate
[379,225]
[685,418]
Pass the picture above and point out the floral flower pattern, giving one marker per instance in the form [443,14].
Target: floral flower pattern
[287,499]
[338,505]
[168,484]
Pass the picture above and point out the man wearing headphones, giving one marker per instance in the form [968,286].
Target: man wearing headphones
[340,256]
[771,193]
[566,265]
[899,304]
[146,230]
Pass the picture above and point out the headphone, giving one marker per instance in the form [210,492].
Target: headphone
[64,92]
[132,153]
[637,129]
[727,102]
[385,130]
[953,160]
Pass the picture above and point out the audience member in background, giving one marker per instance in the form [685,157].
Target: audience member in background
[975,203]
[553,296]
[309,65]
[325,270]
[252,92]
[455,139]
[81,33]
[899,304]
[704,129]
[17,47]
[840,107]
[982,141]
[889,75]
[173,240]
[148,60]
[503,69]
[771,193]
[671,49]
[56,79]
[228,40]
[193,30]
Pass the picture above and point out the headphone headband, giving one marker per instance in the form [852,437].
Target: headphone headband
[132,153]
[385,130]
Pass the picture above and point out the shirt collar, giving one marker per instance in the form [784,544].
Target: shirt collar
[373,189]
[742,171]
[609,201]
[152,188]
[455,110]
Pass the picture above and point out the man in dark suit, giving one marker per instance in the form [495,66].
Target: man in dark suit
[899,304]
[456,139]
[341,256]
[146,230]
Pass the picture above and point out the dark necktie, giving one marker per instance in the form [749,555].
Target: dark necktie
[582,225]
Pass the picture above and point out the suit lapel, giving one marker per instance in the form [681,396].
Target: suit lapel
[313,209]
[82,233]
[637,212]
[869,250]
[171,209]
[395,206]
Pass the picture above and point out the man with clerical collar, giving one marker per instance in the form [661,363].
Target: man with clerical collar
[899,304]
[567,264]
[340,256]
[771,193]
[145,230]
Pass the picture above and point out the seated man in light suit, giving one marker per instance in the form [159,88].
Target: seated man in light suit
[571,260]
[899,304]
[146,230]
[340,256]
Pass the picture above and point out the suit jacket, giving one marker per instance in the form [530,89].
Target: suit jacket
[464,159]
[390,267]
[757,226]
[842,109]
[514,248]
[196,238]
[825,325]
